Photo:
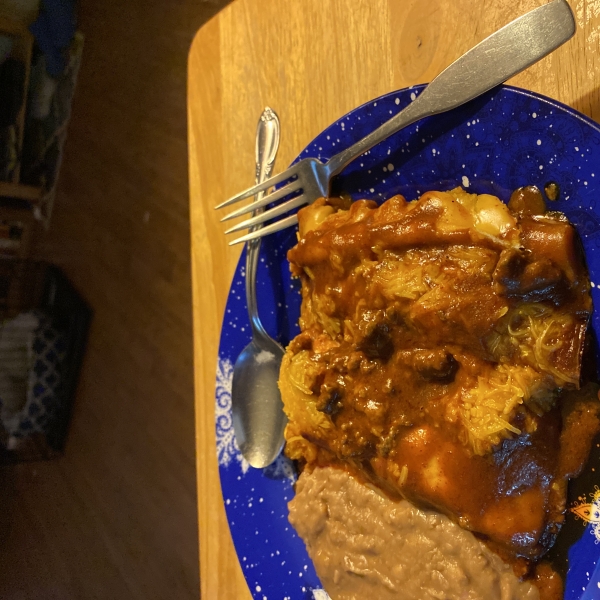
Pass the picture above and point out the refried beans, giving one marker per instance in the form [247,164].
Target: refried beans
[364,545]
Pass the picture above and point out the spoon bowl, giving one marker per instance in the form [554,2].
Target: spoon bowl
[258,424]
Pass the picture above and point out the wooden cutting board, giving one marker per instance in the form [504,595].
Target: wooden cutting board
[312,61]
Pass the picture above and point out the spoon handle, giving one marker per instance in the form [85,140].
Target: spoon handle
[267,144]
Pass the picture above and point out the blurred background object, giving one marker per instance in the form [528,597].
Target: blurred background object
[20,11]
[113,513]
[39,344]
[37,82]
[43,333]
[16,44]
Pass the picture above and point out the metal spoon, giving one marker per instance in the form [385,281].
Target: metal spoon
[258,417]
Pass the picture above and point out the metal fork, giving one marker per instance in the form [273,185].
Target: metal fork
[505,53]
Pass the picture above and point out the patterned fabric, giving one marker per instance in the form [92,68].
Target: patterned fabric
[37,415]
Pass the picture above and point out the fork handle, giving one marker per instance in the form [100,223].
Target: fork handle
[494,60]
[267,144]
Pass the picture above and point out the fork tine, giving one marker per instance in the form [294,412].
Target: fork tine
[261,187]
[272,228]
[276,195]
[270,214]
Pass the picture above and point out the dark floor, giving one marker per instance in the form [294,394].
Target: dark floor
[116,516]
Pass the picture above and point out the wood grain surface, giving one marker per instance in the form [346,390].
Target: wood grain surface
[313,61]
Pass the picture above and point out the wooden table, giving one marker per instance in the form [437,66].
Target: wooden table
[312,61]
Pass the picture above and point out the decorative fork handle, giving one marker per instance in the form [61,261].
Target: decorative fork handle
[267,144]
[503,54]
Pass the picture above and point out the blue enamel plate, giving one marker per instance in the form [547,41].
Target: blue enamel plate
[505,139]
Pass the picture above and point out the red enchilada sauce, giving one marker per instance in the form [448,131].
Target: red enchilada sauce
[440,356]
